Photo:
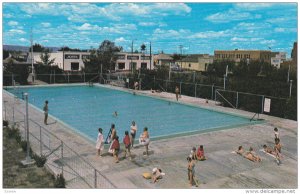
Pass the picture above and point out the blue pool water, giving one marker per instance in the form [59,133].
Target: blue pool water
[88,108]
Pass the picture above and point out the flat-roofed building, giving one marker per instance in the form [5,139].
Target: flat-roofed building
[128,61]
[279,58]
[163,59]
[196,62]
[238,55]
[65,60]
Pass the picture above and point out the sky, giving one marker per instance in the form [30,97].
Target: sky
[170,27]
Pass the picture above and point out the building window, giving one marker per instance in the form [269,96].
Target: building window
[143,65]
[74,66]
[121,65]
[189,65]
[205,66]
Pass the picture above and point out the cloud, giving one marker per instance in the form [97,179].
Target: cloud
[113,11]
[172,34]
[16,31]
[12,23]
[241,39]
[120,40]
[268,42]
[147,24]
[45,24]
[76,18]
[8,15]
[285,29]
[23,40]
[211,34]
[87,26]
[254,6]
[231,15]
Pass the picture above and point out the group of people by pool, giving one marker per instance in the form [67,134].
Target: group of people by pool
[128,140]
[195,155]
[275,152]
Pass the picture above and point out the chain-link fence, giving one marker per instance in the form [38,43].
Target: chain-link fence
[240,100]
[61,158]
[251,102]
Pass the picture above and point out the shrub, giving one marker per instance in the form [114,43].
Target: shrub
[39,160]
[14,133]
[60,181]
[24,147]
[5,123]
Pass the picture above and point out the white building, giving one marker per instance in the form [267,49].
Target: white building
[65,60]
[129,61]
[278,59]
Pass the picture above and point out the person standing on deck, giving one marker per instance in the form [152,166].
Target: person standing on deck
[177,92]
[133,130]
[46,112]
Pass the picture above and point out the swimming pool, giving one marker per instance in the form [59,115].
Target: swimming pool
[86,109]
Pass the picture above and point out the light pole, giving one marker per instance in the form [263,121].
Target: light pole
[291,83]
[225,81]
[32,68]
[288,75]
[28,159]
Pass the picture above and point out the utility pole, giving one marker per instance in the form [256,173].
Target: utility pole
[32,68]
[291,82]
[63,58]
[150,56]
[131,56]
[180,47]
[288,75]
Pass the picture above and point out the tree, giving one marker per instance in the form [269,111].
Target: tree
[143,48]
[45,58]
[105,55]
[20,71]
[5,54]
[37,48]
[65,48]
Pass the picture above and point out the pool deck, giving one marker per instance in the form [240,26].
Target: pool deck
[221,170]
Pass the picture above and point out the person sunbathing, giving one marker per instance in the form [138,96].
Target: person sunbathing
[240,150]
[157,174]
[269,150]
[250,155]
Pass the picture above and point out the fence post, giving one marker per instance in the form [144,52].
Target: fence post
[83,77]
[62,156]
[237,100]
[25,136]
[195,90]
[212,92]
[262,104]
[68,78]
[166,85]
[14,114]
[5,109]
[95,184]
[50,75]
[215,96]
[41,142]
[180,89]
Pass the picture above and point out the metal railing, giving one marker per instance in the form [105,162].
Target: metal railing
[61,158]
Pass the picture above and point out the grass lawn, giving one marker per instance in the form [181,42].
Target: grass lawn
[15,175]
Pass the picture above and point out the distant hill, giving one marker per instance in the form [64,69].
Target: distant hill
[24,48]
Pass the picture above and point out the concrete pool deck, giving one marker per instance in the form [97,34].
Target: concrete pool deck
[221,170]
